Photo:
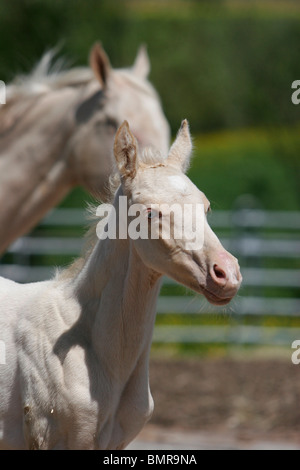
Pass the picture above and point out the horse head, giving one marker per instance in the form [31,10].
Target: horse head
[178,241]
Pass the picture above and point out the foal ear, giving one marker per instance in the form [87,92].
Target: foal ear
[125,150]
[141,66]
[181,150]
[100,63]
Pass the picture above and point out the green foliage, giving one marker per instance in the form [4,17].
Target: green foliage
[218,64]
[222,65]
[262,163]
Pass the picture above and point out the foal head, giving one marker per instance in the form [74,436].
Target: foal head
[178,241]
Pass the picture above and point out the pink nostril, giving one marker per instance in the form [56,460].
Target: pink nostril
[224,272]
[219,272]
[219,275]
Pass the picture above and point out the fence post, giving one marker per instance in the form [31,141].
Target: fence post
[247,222]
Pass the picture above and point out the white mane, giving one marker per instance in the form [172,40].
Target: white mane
[52,74]
[48,74]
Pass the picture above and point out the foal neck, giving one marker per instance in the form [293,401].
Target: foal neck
[118,295]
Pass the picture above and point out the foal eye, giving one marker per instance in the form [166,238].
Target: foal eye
[152,213]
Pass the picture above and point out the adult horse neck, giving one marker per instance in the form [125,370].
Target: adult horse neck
[57,130]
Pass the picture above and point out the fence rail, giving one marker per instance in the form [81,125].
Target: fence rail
[266,243]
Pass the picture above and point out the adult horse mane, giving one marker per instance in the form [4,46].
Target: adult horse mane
[57,130]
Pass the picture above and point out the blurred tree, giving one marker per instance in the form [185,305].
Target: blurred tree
[222,65]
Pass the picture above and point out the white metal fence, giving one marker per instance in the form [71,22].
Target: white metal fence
[267,245]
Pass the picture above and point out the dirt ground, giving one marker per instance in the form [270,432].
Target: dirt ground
[248,399]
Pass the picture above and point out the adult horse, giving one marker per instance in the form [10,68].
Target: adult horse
[75,371]
[57,130]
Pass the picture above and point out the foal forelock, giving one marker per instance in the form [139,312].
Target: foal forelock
[149,157]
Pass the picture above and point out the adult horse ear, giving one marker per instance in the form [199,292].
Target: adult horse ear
[180,152]
[100,63]
[141,66]
[125,150]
